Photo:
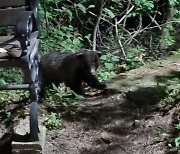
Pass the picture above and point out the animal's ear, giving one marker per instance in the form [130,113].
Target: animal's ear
[79,55]
[99,53]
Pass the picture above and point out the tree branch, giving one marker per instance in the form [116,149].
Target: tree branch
[97,24]
[128,11]
[119,41]
[136,32]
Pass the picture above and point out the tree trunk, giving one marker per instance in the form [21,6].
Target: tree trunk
[165,31]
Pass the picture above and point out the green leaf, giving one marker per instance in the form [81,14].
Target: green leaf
[108,65]
[2,82]
[113,73]
[79,97]
[177,141]
[177,126]
[76,42]
[82,8]
[91,6]
[103,57]
[70,14]
[109,13]
[173,2]
[9,115]
[115,58]
[55,87]
[88,37]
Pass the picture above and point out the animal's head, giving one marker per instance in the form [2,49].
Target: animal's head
[89,60]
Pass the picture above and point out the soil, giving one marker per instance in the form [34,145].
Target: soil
[122,121]
[112,125]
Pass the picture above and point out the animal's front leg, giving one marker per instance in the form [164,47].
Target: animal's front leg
[94,82]
[77,88]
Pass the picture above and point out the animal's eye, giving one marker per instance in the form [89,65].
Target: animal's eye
[93,64]
[87,67]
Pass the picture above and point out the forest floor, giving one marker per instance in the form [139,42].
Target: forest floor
[129,120]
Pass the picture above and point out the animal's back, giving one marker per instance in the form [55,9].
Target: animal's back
[52,66]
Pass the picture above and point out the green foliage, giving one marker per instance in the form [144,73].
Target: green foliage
[9,116]
[109,13]
[177,141]
[170,39]
[57,29]
[2,82]
[173,2]
[132,60]
[144,5]
[62,39]
[53,121]
[177,15]
[172,93]
[60,95]
[162,136]
[171,87]
[81,7]
[177,126]
[109,62]
[12,95]
[3,30]
[10,75]
[176,52]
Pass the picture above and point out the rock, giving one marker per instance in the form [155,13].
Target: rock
[105,137]
[136,123]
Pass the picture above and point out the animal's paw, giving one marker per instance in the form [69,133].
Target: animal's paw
[102,86]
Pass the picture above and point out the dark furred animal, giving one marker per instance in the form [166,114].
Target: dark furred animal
[72,69]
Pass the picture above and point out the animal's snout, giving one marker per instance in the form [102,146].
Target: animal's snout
[93,71]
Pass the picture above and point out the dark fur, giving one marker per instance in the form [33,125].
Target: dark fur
[72,69]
